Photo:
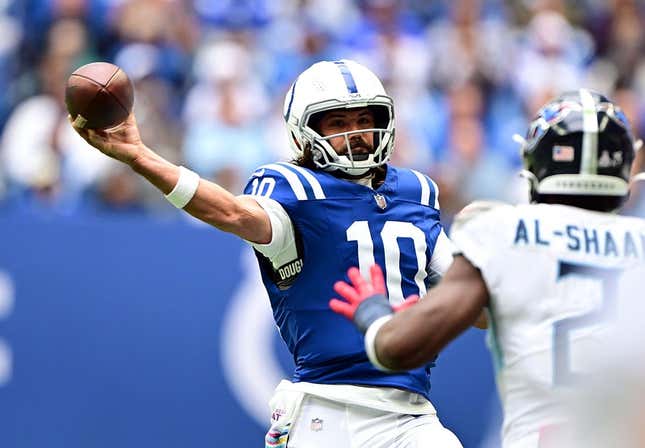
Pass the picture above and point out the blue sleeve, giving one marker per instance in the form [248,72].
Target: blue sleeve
[267,181]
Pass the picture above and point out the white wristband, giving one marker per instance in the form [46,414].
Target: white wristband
[370,338]
[185,189]
[637,177]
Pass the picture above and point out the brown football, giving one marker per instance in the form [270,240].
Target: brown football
[99,95]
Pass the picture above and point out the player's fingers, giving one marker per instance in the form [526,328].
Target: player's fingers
[94,137]
[98,133]
[340,307]
[82,132]
[410,301]
[74,122]
[347,291]
[99,141]
[363,288]
[131,120]
[378,282]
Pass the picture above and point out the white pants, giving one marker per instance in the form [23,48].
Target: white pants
[321,423]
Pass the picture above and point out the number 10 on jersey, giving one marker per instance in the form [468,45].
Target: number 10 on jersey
[360,232]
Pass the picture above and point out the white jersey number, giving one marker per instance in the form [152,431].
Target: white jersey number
[262,188]
[562,372]
[360,232]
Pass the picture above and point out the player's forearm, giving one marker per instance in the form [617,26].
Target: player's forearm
[413,337]
[157,170]
[211,203]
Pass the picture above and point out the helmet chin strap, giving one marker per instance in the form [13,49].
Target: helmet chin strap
[343,172]
[349,173]
[369,172]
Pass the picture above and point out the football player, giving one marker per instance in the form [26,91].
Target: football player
[337,205]
[547,273]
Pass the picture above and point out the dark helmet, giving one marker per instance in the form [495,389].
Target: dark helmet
[579,146]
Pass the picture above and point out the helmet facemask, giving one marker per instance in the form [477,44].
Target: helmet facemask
[353,161]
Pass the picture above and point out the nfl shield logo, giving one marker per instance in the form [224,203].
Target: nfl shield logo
[380,201]
[316,424]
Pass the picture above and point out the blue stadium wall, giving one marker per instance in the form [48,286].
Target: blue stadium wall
[131,332]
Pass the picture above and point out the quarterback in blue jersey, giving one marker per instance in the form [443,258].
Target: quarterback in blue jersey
[338,204]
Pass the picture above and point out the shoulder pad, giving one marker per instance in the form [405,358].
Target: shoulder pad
[475,209]
[426,188]
[284,181]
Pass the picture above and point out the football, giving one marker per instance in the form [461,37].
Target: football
[99,96]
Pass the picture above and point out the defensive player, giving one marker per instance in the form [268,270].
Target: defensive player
[547,273]
[339,204]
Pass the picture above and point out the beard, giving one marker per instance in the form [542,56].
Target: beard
[360,149]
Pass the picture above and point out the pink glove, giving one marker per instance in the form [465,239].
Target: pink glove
[365,301]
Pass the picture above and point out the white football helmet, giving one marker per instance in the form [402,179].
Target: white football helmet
[332,85]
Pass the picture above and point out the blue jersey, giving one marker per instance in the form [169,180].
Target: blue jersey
[339,224]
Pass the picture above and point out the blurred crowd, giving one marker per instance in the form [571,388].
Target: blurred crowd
[210,79]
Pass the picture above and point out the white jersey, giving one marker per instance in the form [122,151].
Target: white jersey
[552,272]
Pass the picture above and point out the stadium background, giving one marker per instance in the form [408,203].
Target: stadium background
[124,323]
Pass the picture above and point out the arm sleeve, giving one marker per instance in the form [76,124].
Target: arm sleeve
[282,247]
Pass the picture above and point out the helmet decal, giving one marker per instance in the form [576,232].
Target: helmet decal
[347,76]
[589,162]
[292,94]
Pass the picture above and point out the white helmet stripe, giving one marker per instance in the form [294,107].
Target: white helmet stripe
[315,185]
[292,178]
[589,162]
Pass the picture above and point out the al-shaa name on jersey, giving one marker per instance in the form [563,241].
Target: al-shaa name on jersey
[577,238]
